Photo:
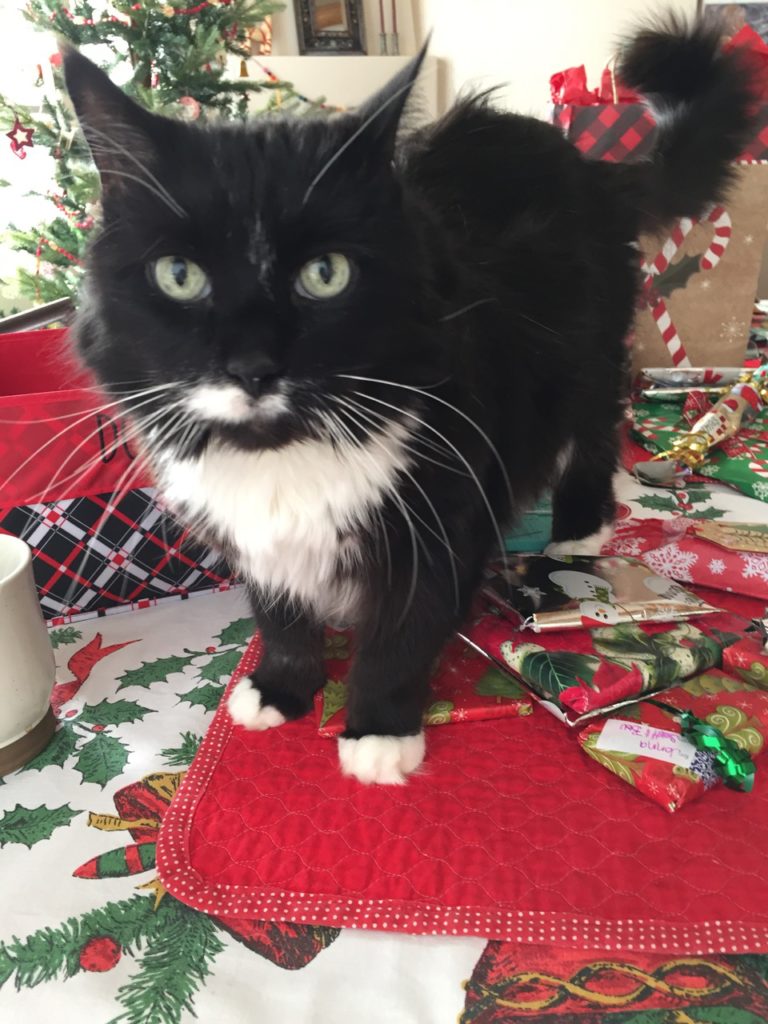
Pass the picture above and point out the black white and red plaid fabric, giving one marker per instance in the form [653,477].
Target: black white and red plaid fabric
[90,555]
[610,132]
[625,131]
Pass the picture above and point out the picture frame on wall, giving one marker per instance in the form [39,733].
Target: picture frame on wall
[330,26]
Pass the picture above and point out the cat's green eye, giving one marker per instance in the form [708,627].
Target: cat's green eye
[324,277]
[181,279]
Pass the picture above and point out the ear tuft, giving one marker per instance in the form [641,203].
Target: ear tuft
[118,131]
[381,113]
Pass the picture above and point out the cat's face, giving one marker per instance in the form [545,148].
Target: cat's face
[249,271]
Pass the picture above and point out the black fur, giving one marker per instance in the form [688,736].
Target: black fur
[494,286]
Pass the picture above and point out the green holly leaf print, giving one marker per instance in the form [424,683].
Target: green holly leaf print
[495,683]
[550,672]
[697,494]
[724,638]
[61,747]
[709,513]
[29,825]
[662,658]
[620,764]
[208,696]
[65,635]
[101,759]
[181,756]
[116,712]
[658,502]
[223,664]
[238,632]
[156,671]
[334,699]
[676,275]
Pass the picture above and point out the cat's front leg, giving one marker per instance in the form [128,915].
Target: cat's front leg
[290,670]
[387,690]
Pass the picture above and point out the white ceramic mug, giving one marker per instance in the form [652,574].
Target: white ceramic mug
[27,667]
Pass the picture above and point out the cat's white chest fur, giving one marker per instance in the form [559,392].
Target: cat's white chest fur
[288,513]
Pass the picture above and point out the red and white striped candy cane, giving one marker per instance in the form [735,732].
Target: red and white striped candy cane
[720,219]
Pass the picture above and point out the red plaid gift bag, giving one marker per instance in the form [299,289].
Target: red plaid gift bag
[72,487]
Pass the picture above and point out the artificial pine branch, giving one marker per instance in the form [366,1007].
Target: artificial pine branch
[177,961]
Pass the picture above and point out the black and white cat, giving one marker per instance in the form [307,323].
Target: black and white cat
[359,355]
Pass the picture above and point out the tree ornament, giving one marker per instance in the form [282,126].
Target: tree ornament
[190,108]
[101,953]
[21,138]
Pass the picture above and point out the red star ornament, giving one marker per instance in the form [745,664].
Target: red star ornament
[20,137]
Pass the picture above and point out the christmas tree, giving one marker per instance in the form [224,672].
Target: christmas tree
[169,57]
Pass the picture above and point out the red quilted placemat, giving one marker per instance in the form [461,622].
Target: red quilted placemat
[510,832]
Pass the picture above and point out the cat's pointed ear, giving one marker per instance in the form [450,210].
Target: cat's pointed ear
[381,113]
[119,132]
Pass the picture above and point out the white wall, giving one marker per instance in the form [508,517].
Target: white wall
[520,43]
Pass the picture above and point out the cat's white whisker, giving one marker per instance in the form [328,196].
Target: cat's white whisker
[355,135]
[121,439]
[340,430]
[81,419]
[473,474]
[121,488]
[418,438]
[443,535]
[89,543]
[466,309]
[448,405]
[116,147]
[404,509]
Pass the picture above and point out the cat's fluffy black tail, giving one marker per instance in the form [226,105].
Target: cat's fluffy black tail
[702,100]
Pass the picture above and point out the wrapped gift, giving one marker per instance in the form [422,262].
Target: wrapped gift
[725,556]
[740,461]
[465,687]
[541,593]
[645,744]
[748,659]
[578,674]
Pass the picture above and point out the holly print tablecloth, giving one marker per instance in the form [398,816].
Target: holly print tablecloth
[88,934]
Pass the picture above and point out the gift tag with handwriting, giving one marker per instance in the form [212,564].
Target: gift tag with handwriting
[635,738]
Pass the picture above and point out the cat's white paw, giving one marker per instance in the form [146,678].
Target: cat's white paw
[385,760]
[591,545]
[245,707]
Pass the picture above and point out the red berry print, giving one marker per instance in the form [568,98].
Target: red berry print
[97,728]
[210,650]
[100,954]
